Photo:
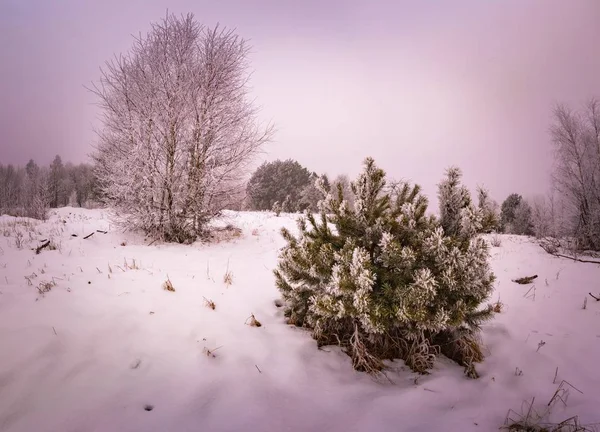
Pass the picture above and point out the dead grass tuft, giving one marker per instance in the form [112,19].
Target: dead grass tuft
[209,303]
[228,278]
[132,266]
[253,321]
[45,287]
[496,241]
[168,285]
[530,419]
[498,306]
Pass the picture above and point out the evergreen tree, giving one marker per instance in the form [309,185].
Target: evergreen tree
[457,214]
[276,208]
[522,223]
[311,195]
[383,280]
[275,181]
[56,187]
[343,181]
[490,217]
[508,210]
[287,205]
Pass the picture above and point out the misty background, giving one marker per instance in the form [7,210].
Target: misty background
[418,86]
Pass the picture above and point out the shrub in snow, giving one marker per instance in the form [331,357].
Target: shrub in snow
[386,281]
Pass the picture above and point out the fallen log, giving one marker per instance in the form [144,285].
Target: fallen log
[525,280]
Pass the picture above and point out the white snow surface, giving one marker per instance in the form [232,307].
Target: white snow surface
[100,346]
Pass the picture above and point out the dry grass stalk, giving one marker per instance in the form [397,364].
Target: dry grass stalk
[132,266]
[498,306]
[168,285]
[253,321]
[211,352]
[209,303]
[228,278]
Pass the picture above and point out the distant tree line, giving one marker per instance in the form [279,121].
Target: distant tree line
[31,190]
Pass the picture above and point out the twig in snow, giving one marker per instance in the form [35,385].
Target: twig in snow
[541,344]
[56,334]
[257,368]
[555,375]
[88,236]
[594,297]
[585,303]
[559,255]
[99,271]
[102,232]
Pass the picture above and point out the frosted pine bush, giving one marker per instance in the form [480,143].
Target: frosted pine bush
[384,281]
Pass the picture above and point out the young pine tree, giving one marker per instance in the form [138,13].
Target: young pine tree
[490,215]
[384,280]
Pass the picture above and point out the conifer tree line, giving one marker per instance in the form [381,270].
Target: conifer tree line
[285,186]
[31,190]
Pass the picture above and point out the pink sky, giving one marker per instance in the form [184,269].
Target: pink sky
[418,85]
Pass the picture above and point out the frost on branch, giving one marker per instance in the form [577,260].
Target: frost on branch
[178,128]
[383,280]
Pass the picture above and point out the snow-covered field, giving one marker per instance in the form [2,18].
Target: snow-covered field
[107,348]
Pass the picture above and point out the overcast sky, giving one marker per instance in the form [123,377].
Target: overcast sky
[418,85]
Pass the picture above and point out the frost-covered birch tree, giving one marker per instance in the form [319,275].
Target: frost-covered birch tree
[179,129]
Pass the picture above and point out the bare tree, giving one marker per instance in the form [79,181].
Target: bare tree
[577,172]
[179,128]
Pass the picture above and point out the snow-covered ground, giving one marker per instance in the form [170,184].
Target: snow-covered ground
[107,342]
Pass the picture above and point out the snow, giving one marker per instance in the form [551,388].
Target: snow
[100,346]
